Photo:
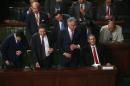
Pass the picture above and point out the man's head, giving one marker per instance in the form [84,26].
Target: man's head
[108,2]
[82,1]
[72,23]
[42,30]
[111,25]
[35,6]
[58,16]
[19,35]
[91,39]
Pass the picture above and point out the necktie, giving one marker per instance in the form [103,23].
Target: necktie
[108,10]
[62,27]
[72,34]
[37,18]
[95,55]
[43,48]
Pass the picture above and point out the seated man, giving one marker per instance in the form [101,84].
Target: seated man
[94,54]
[111,33]
[106,11]
[13,49]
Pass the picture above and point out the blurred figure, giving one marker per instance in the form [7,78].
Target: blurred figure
[106,11]
[13,49]
[53,6]
[42,48]
[111,33]
[81,10]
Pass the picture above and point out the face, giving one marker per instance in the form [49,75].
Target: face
[92,40]
[108,2]
[58,17]
[72,25]
[42,31]
[35,7]
[111,26]
[81,1]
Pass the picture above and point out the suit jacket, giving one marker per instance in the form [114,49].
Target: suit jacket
[75,10]
[87,56]
[64,40]
[37,46]
[32,26]
[50,6]
[101,13]
[9,48]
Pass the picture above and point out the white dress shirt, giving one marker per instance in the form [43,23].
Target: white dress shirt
[46,44]
[71,33]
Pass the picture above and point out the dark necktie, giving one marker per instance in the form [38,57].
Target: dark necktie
[72,34]
[108,11]
[110,36]
[95,55]
[43,48]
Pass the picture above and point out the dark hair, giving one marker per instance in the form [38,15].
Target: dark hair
[19,33]
[42,26]
[58,12]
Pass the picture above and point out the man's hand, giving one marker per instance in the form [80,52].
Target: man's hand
[82,11]
[50,50]
[108,64]
[18,53]
[67,55]
[7,62]
[37,65]
[73,46]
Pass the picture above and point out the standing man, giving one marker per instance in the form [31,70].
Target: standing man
[35,18]
[42,48]
[68,44]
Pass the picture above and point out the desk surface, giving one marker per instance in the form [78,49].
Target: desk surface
[86,76]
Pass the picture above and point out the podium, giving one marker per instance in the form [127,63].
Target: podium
[85,76]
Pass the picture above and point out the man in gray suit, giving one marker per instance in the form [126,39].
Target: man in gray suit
[81,10]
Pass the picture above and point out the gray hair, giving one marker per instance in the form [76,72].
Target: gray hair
[71,19]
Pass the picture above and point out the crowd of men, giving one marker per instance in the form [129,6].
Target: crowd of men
[73,34]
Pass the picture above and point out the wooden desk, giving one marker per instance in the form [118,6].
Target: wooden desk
[59,77]
[121,57]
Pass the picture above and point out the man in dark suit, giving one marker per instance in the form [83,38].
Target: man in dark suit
[94,54]
[81,10]
[68,44]
[59,23]
[88,27]
[106,11]
[13,49]
[42,48]
[53,6]
[34,18]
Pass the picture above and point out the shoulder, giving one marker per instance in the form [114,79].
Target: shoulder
[104,28]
